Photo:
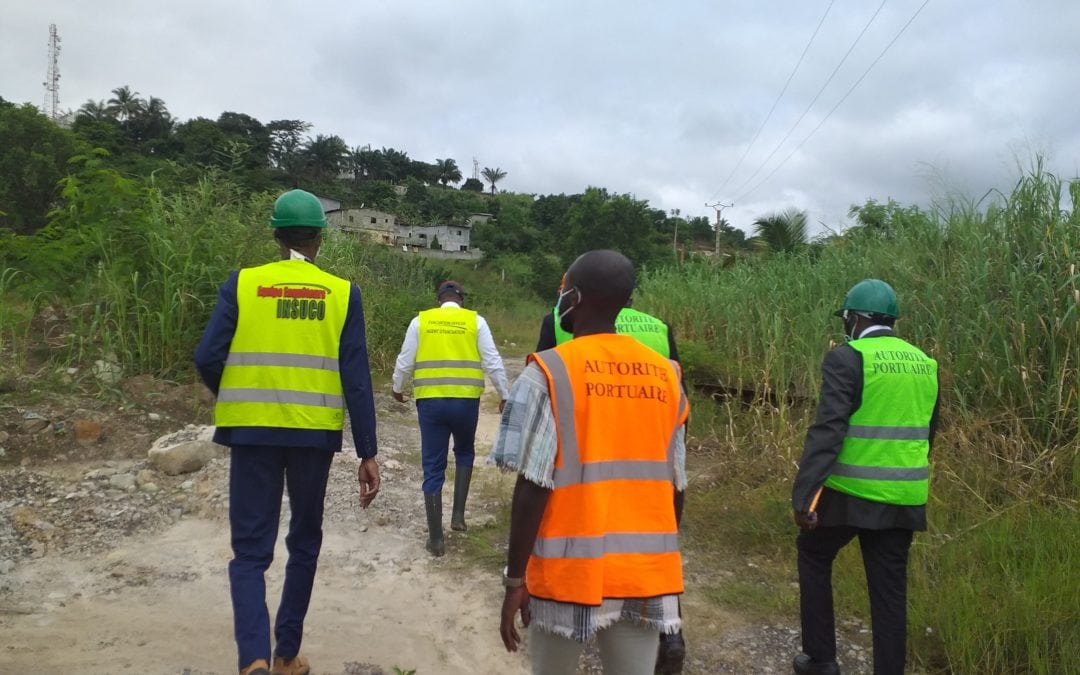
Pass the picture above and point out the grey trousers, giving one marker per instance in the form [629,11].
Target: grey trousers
[625,649]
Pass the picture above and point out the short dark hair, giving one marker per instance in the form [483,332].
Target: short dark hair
[298,236]
[605,276]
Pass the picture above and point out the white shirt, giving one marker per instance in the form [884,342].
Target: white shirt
[490,360]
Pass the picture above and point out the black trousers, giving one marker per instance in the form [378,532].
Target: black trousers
[885,557]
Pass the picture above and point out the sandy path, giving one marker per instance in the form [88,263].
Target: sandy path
[160,603]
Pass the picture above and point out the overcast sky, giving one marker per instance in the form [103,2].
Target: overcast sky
[657,99]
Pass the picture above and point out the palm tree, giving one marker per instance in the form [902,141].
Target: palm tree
[125,103]
[782,232]
[395,164]
[493,176]
[325,155]
[447,171]
[93,111]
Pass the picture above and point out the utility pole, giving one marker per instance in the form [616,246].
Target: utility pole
[719,207]
[675,243]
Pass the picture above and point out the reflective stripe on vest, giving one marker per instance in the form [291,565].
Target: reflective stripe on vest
[282,367]
[885,455]
[448,358]
[645,328]
[609,527]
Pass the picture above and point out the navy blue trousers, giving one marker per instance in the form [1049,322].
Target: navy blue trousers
[256,478]
[885,559]
[441,418]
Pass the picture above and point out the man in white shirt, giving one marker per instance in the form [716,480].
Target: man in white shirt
[448,350]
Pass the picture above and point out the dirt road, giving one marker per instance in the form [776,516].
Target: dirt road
[100,576]
[158,602]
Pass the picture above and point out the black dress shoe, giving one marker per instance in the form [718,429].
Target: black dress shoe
[804,665]
[669,660]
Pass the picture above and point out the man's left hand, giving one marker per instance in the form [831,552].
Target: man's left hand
[517,599]
[368,477]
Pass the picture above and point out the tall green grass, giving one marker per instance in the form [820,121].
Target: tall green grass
[134,268]
[993,295]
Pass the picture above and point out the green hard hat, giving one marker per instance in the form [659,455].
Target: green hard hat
[297,208]
[873,296]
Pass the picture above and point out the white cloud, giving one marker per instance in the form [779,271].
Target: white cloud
[651,99]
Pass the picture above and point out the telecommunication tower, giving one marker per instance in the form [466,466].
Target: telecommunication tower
[52,76]
[475,168]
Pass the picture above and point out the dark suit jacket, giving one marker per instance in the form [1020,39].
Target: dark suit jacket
[841,395]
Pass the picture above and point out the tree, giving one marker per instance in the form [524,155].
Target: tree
[93,111]
[395,165]
[251,133]
[493,176]
[620,222]
[150,127]
[34,156]
[284,148]
[125,103]
[472,185]
[782,232]
[447,171]
[325,156]
[201,142]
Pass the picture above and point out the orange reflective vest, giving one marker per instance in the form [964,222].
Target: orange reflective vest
[609,528]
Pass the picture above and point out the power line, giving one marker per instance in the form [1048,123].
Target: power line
[768,116]
[815,99]
[843,98]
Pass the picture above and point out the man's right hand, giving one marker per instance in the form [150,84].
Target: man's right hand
[806,520]
[516,600]
[368,478]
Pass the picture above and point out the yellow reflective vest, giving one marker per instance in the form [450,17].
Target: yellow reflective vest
[282,368]
[448,358]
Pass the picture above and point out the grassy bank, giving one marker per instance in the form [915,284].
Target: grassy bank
[128,271]
[993,295]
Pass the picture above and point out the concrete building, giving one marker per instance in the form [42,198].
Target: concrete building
[450,238]
[381,227]
[378,226]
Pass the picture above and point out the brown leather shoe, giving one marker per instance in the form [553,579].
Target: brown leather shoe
[297,665]
[256,667]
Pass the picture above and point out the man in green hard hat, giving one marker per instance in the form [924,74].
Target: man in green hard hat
[864,473]
[286,354]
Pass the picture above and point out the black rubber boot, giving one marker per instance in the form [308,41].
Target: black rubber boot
[436,546]
[462,478]
[669,660]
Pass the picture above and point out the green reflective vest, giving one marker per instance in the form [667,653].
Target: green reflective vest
[645,328]
[282,368]
[448,358]
[885,455]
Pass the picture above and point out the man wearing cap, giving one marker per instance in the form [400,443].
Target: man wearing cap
[864,473]
[285,353]
[447,350]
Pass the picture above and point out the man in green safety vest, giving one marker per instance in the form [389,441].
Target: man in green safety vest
[448,349]
[864,473]
[286,354]
[647,329]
